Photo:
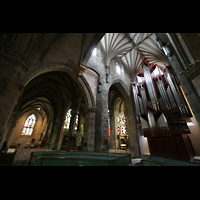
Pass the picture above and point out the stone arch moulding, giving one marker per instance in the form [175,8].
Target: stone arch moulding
[46,67]
[131,122]
[122,87]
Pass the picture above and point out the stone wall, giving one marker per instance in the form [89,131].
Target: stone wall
[9,91]
[96,63]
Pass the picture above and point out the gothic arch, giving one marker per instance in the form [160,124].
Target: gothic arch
[45,67]
[131,125]
[124,90]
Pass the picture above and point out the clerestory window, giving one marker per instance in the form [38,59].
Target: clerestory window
[119,69]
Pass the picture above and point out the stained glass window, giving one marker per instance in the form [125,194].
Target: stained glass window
[29,125]
[76,124]
[68,119]
[109,131]
[121,130]
[121,119]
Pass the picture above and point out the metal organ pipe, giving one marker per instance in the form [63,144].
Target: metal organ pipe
[162,92]
[170,95]
[136,102]
[179,104]
[162,105]
[144,99]
[169,92]
[181,98]
[176,92]
[142,105]
[150,87]
[164,95]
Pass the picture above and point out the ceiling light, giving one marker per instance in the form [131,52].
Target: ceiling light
[38,108]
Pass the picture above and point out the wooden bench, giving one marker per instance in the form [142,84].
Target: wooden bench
[6,159]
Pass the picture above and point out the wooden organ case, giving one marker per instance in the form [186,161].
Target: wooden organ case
[162,112]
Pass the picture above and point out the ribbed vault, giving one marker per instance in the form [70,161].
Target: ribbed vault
[132,48]
[49,92]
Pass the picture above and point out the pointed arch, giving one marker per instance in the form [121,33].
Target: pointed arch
[29,125]
[50,66]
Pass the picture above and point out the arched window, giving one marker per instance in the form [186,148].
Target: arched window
[94,52]
[119,69]
[29,125]
[68,119]
[122,120]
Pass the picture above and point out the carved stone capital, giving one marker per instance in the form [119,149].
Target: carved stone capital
[81,68]
[92,109]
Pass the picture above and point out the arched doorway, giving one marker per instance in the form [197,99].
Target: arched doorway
[51,93]
[123,127]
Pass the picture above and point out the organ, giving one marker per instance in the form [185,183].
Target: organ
[162,110]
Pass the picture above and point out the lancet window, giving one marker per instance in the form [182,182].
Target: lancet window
[68,119]
[29,125]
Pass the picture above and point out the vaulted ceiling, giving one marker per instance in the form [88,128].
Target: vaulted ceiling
[28,49]
[31,48]
[132,48]
[49,92]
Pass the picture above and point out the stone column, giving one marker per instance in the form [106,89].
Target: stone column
[53,133]
[101,130]
[131,124]
[59,128]
[74,112]
[89,130]
[71,127]
[49,126]
[72,122]
[112,142]
[58,139]
[9,94]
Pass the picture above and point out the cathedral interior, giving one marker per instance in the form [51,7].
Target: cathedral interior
[135,93]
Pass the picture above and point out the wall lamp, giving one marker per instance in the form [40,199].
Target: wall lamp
[99,88]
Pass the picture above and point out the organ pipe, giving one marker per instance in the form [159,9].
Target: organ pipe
[151,90]
[161,110]
[162,88]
